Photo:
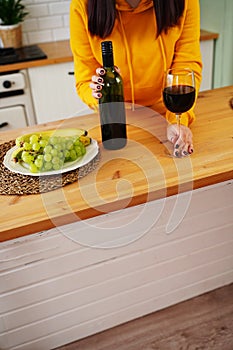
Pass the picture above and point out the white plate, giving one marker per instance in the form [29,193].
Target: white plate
[91,152]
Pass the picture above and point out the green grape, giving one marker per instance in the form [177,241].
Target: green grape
[48,149]
[73,154]
[53,140]
[55,160]
[77,142]
[40,156]
[18,143]
[63,145]
[56,166]
[67,154]
[54,152]
[42,153]
[61,155]
[25,153]
[36,146]
[83,148]
[33,168]
[58,146]
[33,139]
[48,157]
[27,157]
[43,143]
[48,166]
[38,163]
[69,145]
[78,150]
[27,146]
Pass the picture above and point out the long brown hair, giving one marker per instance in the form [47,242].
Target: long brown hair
[102,15]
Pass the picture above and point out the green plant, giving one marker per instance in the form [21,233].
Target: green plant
[12,12]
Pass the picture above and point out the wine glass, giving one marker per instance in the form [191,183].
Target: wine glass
[179,91]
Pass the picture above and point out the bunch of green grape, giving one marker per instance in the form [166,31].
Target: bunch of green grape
[44,153]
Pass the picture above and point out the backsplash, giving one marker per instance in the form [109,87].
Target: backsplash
[48,20]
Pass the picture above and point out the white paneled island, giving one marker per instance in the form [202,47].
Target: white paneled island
[142,231]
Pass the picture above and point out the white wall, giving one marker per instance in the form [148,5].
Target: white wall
[48,20]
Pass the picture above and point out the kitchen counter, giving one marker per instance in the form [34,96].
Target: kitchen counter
[139,173]
[60,52]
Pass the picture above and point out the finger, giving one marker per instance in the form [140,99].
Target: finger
[97,79]
[178,148]
[95,87]
[172,134]
[190,149]
[189,143]
[185,148]
[117,69]
[97,95]
[173,139]
[100,71]
[184,151]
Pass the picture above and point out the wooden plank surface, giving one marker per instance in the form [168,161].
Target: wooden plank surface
[204,322]
[140,172]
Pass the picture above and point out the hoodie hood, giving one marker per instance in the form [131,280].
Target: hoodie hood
[122,5]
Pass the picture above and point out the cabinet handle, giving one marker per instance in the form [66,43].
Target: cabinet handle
[231,102]
[71,73]
[3,124]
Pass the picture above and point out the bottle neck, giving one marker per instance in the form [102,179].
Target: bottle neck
[108,60]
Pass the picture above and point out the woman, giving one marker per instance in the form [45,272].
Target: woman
[149,36]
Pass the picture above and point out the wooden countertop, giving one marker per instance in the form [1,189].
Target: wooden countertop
[57,52]
[140,172]
[60,52]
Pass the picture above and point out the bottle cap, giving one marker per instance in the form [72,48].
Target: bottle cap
[106,47]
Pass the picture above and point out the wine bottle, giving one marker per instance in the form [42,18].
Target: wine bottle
[111,104]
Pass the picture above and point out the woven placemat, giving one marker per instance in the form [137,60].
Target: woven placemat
[18,184]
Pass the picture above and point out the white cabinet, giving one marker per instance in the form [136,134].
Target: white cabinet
[55,290]
[207,52]
[217,16]
[12,117]
[54,94]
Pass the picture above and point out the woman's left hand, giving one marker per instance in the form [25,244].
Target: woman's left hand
[183,142]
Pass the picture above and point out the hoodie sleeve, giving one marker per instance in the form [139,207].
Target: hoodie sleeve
[187,53]
[84,62]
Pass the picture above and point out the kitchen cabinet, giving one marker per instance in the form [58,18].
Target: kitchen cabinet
[207,52]
[55,290]
[53,92]
[12,118]
[16,107]
[217,16]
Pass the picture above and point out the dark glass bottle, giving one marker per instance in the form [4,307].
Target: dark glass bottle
[111,104]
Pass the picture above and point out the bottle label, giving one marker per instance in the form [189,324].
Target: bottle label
[113,124]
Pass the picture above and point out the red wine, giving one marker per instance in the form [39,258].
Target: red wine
[179,98]
[111,104]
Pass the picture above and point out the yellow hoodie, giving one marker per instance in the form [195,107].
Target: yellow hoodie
[141,57]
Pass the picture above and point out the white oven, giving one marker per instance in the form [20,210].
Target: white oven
[16,106]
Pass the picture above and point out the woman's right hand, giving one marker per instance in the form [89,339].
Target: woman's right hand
[97,83]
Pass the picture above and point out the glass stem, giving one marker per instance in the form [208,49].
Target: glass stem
[178,117]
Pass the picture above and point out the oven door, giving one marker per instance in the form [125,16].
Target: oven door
[12,118]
